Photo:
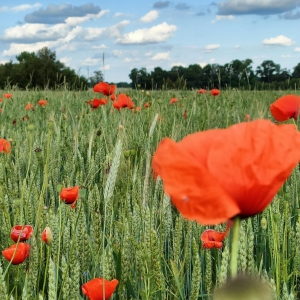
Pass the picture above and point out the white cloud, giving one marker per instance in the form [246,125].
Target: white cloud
[155,34]
[202,64]
[148,53]
[279,40]
[2,62]
[127,60]
[25,7]
[297,49]
[150,16]
[237,47]
[118,14]
[90,62]
[15,49]
[220,17]
[161,56]
[178,64]
[102,46]
[212,47]
[66,60]
[67,47]
[3,8]
[212,60]
[73,21]
[117,53]
[286,55]
[106,67]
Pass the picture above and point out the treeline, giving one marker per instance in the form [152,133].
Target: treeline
[236,74]
[40,70]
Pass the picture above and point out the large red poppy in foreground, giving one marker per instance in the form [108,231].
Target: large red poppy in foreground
[285,108]
[215,175]
[16,253]
[104,88]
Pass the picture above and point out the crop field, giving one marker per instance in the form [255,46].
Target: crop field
[123,225]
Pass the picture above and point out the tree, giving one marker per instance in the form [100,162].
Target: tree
[296,72]
[267,70]
[96,78]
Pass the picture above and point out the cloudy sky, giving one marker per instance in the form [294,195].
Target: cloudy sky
[134,34]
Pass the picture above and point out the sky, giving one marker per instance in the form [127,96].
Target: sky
[116,36]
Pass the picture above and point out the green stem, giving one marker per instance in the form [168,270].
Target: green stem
[234,246]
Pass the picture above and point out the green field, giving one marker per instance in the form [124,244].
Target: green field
[124,226]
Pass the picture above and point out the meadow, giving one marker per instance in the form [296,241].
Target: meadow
[124,226]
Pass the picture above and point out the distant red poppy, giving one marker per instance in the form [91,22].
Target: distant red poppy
[113,97]
[43,103]
[285,108]
[29,106]
[137,109]
[201,91]
[47,236]
[22,231]
[0,110]
[7,96]
[93,289]
[98,102]
[210,187]
[17,253]
[5,146]
[0,100]
[146,105]
[123,101]
[173,100]
[215,92]
[104,88]
[185,114]
[14,122]
[70,195]
[212,239]
[247,118]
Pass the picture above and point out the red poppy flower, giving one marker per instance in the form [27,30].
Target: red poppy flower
[0,110]
[215,92]
[70,195]
[212,239]
[22,231]
[113,97]
[104,88]
[17,253]
[210,187]
[43,103]
[285,108]
[123,101]
[5,146]
[47,236]
[146,105]
[247,117]
[201,91]
[29,106]
[184,114]
[7,96]
[173,100]
[98,102]
[93,289]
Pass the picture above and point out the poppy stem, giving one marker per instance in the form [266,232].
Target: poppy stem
[234,246]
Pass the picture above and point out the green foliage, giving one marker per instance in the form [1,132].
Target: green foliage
[125,227]
[39,70]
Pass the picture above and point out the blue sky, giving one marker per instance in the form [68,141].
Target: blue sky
[135,33]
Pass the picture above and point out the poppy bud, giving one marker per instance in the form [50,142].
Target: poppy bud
[132,152]
[30,127]
[264,223]
[159,101]
[99,132]
[121,127]
[38,153]
[59,187]
[82,192]
[47,236]
[148,94]
[127,153]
